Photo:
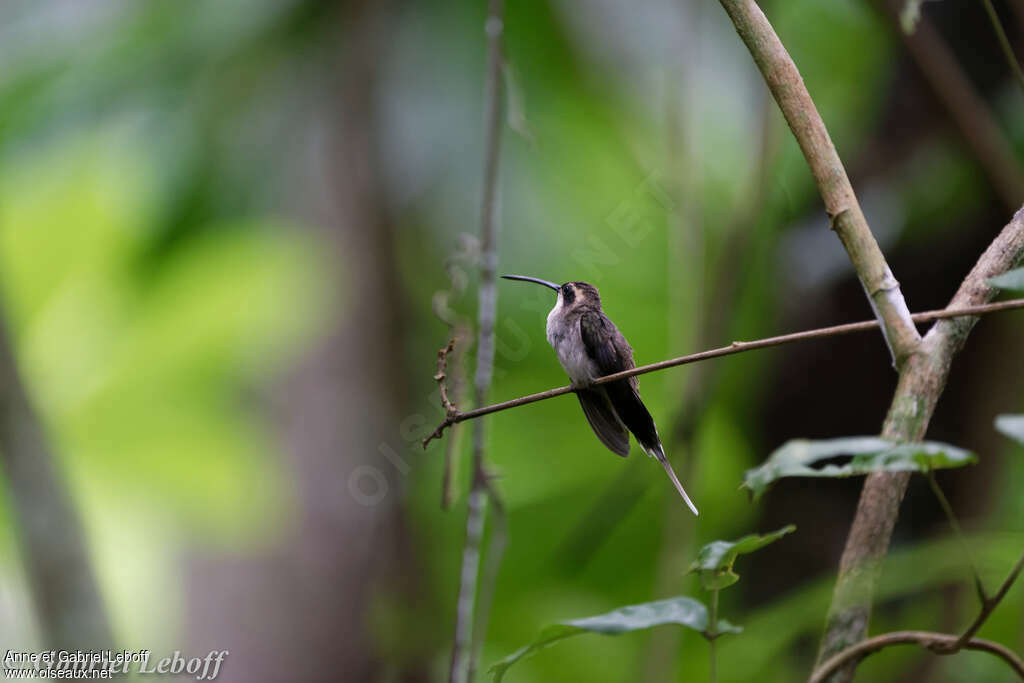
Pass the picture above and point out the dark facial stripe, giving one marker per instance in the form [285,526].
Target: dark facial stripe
[568,293]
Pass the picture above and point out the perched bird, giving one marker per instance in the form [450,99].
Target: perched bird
[589,346]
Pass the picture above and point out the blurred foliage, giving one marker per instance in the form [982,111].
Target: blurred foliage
[138,375]
[149,321]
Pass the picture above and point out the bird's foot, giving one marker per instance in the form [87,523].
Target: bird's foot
[581,385]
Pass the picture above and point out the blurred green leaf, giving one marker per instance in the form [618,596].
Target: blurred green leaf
[803,458]
[1012,426]
[1013,279]
[682,610]
[141,373]
[714,561]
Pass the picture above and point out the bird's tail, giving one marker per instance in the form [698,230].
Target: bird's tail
[634,414]
[659,454]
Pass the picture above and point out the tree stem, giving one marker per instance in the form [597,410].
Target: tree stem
[713,634]
[920,385]
[788,89]
[464,646]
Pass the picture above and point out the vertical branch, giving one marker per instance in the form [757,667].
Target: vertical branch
[712,634]
[489,577]
[486,314]
[467,583]
[67,601]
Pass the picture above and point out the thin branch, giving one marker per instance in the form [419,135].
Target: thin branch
[442,375]
[464,607]
[450,471]
[458,328]
[939,643]
[465,633]
[786,85]
[735,347]
[712,634]
[447,477]
[954,524]
[1004,42]
[489,573]
[989,604]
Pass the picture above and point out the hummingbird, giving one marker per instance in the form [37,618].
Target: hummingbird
[589,346]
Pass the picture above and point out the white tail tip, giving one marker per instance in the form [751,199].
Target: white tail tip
[660,455]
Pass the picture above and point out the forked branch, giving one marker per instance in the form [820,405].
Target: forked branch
[939,643]
[989,604]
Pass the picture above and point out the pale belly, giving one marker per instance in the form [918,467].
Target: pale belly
[568,344]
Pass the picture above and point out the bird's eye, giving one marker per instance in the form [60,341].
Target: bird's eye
[568,293]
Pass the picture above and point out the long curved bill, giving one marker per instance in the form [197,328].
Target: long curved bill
[552,285]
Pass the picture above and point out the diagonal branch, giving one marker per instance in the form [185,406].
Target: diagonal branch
[1004,42]
[787,86]
[939,643]
[989,604]
[920,385]
[454,416]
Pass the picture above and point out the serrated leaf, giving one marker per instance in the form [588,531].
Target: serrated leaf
[1012,426]
[714,561]
[683,611]
[803,458]
[1013,279]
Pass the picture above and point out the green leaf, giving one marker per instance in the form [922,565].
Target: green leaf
[682,610]
[1012,426]
[714,561]
[802,458]
[1013,279]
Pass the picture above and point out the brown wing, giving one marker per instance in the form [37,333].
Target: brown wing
[611,353]
[603,420]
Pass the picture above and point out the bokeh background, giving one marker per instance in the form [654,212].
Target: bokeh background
[225,228]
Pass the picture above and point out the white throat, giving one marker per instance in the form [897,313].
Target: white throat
[553,315]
